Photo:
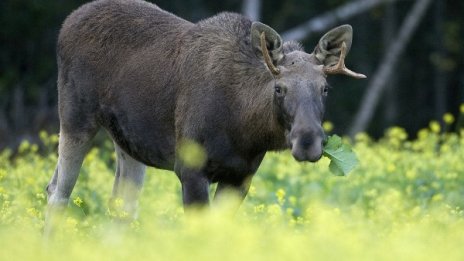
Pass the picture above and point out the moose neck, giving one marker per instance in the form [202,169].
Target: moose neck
[240,77]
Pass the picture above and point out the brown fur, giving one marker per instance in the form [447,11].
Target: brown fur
[152,79]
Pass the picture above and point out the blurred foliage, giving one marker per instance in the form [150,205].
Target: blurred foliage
[404,201]
[28,32]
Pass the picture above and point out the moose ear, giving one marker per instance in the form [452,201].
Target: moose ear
[328,50]
[272,40]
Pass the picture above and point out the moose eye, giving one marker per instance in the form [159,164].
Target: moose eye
[280,90]
[325,90]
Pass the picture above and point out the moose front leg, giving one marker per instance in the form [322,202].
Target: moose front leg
[241,184]
[195,187]
[238,188]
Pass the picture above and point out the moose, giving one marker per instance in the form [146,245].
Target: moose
[153,80]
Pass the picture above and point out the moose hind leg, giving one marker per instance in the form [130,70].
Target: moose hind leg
[71,152]
[128,183]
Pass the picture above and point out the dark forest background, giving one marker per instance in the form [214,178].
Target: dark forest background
[415,74]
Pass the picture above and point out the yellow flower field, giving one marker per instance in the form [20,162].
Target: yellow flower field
[405,201]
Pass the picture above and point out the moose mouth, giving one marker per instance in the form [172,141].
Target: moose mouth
[307,147]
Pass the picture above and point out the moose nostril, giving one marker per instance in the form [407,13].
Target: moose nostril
[306,143]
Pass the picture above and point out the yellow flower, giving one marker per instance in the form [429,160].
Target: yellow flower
[423,134]
[397,132]
[435,126]
[280,196]
[43,135]
[34,148]
[362,137]
[328,126]
[78,201]
[461,108]
[24,146]
[33,212]
[448,118]
[54,138]
[259,208]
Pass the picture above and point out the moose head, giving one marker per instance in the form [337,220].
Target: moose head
[300,86]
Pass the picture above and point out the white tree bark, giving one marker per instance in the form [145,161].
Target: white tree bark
[377,85]
[252,9]
[325,21]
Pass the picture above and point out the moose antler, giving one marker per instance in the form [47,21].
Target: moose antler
[340,68]
[267,58]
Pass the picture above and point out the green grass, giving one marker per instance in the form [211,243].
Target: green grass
[404,201]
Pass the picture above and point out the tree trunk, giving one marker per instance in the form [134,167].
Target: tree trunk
[331,18]
[252,9]
[381,77]
[391,97]
[4,128]
[440,81]
[18,112]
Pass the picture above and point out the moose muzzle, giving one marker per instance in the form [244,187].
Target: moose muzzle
[308,146]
